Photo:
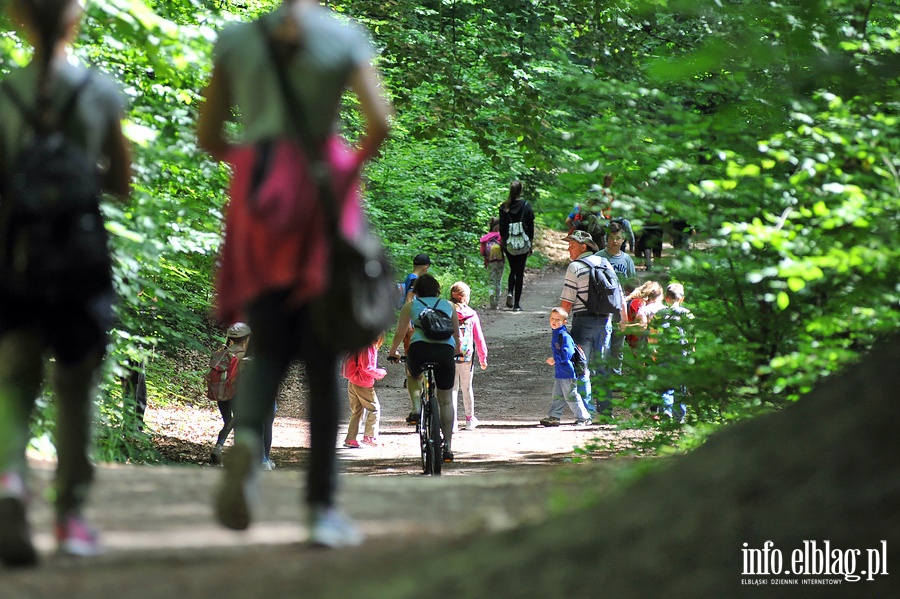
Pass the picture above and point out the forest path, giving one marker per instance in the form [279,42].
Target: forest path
[157,521]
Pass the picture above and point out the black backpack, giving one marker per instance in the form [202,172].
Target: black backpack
[435,324]
[604,290]
[580,363]
[53,243]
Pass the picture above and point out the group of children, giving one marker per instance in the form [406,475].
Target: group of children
[361,369]
[648,307]
[650,311]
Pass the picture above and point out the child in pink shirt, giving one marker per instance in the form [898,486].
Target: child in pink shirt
[361,371]
[472,345]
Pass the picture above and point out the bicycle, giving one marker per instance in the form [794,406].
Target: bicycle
[431,441]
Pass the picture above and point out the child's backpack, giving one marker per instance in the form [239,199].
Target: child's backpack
[221,379]
[579,361]
[494,251]
[604,290]
[466,338]
[434,324]
[54,243]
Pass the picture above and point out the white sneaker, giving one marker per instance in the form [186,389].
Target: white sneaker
[240,487]
[267,465]
[331,528]
[471,423]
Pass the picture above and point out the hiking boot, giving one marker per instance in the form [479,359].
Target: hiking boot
[370,441]
[16,549]
[471,423]
[582,423]
[351,443]
[75,537]
[413,418]
[332,529]
[239,490]
[509,300]
[215,458]
[550,421]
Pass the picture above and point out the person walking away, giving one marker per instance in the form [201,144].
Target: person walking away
[623,264]
[516,213]
[421,264]
[565,389]
[423,349]
[226,361]
[596,215]
[492,252]
[134,390]
[675,340]
[271,275]
[471,341]
[650,242]
[54,102]
[361,371]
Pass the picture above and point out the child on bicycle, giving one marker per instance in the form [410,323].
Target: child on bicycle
[471,341]
[565,390]
[361,371]
[423,349]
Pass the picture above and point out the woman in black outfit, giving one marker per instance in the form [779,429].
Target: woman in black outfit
[514,210]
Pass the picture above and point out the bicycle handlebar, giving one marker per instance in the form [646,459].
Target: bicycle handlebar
[403,359]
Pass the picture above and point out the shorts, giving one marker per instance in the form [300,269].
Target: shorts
[441,354]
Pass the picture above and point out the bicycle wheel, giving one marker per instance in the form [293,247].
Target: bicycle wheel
[424,442]
[436,440]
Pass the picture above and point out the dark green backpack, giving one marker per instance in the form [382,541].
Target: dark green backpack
[53,242]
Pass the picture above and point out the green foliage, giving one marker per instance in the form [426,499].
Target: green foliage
[788,167]
[769,127]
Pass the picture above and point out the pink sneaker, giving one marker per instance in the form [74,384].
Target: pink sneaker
[351,443]
[370,441]
[75,537]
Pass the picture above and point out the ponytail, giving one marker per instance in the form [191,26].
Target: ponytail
[515,190]
[48,20]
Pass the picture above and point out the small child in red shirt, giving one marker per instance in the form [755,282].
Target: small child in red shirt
[361,371]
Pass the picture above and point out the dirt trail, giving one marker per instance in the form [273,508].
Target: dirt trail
[151,516]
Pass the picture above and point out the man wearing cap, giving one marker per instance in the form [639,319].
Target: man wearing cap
[592,332]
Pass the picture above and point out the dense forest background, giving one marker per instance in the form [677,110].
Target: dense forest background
[770,127]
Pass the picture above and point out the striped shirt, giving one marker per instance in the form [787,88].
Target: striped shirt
[575,288]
